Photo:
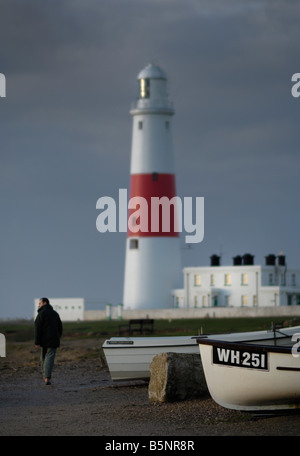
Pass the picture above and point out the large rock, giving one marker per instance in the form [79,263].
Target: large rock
[175,377]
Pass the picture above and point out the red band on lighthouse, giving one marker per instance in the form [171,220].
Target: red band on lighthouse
[152,211]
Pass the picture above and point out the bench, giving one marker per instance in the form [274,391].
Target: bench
[142,326]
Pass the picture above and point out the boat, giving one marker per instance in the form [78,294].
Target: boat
[129,358]
[255,372]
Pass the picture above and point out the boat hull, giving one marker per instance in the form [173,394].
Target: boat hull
[251,377]
[129,358]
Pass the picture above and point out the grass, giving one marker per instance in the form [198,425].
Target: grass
[24,331]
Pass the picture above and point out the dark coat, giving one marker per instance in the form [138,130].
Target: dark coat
[47,327]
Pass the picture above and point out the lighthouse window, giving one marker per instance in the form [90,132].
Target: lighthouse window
[134,244]
[140,125]
[144,88]
[167,124]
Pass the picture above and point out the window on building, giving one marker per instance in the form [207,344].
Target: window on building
[212,279]
[196,302]
[298,300]
[294,280]
[144,88]
[245,279]
[133,244]
[227,300]
[244,300]
[270,279]
[204,301]
[227,279]
[197,280]
[167,124]
[283,280]
[140,125]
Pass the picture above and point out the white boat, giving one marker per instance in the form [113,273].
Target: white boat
[129,358]
[258,371]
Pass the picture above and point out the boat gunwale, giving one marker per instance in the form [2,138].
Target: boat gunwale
[130,346]
[247,345]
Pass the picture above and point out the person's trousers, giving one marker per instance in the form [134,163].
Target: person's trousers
[47,361]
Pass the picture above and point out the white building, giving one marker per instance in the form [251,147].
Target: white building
[80,309]
[239,285]
[69,309]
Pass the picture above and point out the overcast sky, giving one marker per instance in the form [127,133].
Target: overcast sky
[65,133]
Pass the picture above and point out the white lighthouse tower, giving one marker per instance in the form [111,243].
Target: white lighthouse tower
[153,265]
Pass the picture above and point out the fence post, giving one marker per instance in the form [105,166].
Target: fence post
[120,311]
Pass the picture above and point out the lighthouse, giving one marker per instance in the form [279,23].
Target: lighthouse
[152,264]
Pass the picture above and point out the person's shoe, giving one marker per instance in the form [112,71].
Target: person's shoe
[47,381]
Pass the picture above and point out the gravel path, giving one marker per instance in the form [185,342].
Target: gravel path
[83,401]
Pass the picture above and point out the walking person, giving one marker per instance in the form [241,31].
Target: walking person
[47,334]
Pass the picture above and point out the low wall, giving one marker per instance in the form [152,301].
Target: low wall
[208,312]
[94,315]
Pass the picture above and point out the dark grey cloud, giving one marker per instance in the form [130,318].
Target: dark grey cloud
[65,132]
